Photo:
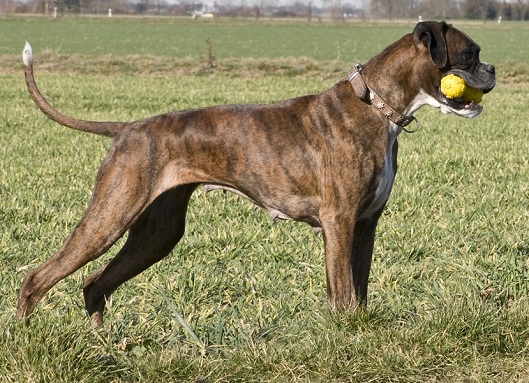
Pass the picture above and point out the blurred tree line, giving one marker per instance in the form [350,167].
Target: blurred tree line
[451,9]
[338,9]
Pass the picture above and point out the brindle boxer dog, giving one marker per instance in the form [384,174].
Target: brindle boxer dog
[328,160]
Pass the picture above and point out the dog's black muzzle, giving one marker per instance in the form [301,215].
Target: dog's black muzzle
[482,77]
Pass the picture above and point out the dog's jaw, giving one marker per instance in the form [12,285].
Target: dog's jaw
[471,110]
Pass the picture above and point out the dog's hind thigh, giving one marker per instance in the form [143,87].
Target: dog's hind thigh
[151,238]
[118,199]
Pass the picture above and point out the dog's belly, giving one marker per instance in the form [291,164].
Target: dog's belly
[297,210]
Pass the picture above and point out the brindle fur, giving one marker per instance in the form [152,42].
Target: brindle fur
[328,160]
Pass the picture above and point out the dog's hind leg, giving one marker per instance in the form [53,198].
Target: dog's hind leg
[151,238]
[120,195]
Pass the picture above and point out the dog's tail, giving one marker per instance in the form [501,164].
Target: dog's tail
[109,129]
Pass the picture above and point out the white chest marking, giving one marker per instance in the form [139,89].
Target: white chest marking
[385,182]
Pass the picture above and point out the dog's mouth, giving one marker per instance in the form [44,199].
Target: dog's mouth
[461,105]
[467,105]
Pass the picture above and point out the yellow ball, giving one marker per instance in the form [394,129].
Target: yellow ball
[452,86]
[473,94]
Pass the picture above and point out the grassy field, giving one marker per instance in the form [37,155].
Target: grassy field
[240,299]
[177,38]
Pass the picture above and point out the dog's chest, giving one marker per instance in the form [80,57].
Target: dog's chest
[384,182]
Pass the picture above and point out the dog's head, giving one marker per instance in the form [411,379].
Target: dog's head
[452,51]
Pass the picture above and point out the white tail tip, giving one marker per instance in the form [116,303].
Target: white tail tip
[27,54]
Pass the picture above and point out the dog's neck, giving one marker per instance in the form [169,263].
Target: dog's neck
[367,94]
[403,93]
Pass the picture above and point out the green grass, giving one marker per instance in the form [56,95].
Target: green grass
[184,37]
[240,299]
[180,37]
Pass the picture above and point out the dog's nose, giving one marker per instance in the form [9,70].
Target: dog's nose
[490,68]
[489,72]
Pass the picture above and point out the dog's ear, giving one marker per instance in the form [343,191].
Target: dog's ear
[432,35]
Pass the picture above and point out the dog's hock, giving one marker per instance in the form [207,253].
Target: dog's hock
[27,54]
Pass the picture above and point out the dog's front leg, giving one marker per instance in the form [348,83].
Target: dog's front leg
[338,233]
[348,254]
[361,256]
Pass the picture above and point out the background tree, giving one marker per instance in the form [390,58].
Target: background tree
[480,9]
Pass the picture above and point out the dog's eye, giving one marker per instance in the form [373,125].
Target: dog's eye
[467,55]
